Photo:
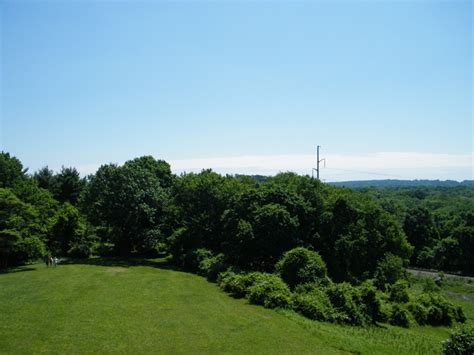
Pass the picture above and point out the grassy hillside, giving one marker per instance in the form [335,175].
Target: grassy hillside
[119,307]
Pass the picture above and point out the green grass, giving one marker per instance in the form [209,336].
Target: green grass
[109,307]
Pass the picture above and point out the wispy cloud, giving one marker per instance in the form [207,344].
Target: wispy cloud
[398,165]
[408,165]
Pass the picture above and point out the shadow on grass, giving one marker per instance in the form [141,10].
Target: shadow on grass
[16,269]
[161,263]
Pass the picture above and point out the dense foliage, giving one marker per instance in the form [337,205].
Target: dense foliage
[130,204]
[34,224]
[289,241]
[438,221]
[461,342]
[300,265]
[253,224]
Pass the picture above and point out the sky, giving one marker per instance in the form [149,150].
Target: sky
[252,87]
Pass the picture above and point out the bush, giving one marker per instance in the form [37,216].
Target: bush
[434,309]
[399,316]
[398,292]
[440,279]
[314,305]
[226,281]
[212,266]
[429,285]
[346,303]
[341,303]
[193,258]
[389,270]
[459,315]
[461,341]
[418,311]
[270,291]
[370,302]
[277,299]
[236,284]
[301,265]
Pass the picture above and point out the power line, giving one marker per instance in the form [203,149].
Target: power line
[318,161]
[374,173]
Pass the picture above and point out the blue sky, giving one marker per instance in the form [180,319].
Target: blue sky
[250,87]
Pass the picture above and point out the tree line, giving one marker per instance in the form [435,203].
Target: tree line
[438,222]
[288,241]
[141,208]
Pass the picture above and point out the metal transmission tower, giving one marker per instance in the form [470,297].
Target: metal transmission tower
[317,163]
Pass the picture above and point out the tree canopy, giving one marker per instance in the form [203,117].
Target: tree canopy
[141,208]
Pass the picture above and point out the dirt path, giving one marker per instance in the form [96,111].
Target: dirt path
[434,274]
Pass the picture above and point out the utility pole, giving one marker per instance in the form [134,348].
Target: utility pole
[317,163]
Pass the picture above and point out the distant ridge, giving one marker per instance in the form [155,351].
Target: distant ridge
[403,183]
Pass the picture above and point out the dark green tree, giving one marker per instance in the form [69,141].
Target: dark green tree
[46,179]
[68,185]
[11,170]
[356,234]
[67,230]
[19,231]
[131,203]
[300,266]
[421,230]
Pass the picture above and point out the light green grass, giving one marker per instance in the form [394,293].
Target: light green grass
[150,309]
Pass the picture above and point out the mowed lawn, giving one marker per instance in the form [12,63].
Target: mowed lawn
[109,307]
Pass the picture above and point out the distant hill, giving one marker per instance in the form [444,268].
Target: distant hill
[403,183]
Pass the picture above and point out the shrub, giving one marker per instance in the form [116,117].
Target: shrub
[212,266]
[370,302]
[237,284]
[269,290]
[418,311]
[459,315]
[194,258]
[309,287]
[314,305]
[461,341]
[399,316]
[389,270]
[277,299]
[429,285]
[398,292]
[301,265]
[440,279]
[225,279]
[346,303]
[434,309]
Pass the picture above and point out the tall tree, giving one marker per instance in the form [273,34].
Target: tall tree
[19,230]
[69,185]
[68,228]
[46,179]
[11,170]
[130,203]
[421,230]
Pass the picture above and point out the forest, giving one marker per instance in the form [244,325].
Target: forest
[330,253]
